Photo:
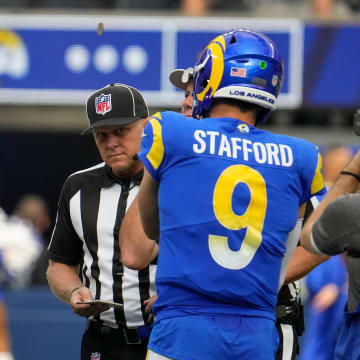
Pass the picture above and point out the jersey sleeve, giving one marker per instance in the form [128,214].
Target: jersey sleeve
[313,182]
[152,150]
[65,246]
[337,230]
[160,141]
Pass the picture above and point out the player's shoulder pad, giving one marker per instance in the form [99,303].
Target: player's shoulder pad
[164,120]
[167,116]
[304,148]
[309,159]
[161,131]
[294,140]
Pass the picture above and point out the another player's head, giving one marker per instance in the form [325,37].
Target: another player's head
[183,79]
[34,208]
[117,115]
[241,65]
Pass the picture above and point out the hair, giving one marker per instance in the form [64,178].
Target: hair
[243,106]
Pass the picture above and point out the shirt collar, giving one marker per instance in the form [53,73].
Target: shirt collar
[110,178]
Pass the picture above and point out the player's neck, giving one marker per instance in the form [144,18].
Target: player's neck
[224,110]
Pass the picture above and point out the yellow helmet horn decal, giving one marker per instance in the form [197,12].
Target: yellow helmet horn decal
[220,39]
[217,49]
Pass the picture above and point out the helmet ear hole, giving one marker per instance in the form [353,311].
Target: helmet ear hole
[204,83]
[233,40]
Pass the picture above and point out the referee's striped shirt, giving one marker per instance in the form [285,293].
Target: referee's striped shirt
[91,207]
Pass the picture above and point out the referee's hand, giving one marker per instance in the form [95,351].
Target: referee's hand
[84,294]
[149,303]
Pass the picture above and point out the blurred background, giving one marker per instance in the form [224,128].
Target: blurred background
[53,55]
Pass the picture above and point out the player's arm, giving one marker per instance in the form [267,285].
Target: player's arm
[148,206]
[153,155]
[301,263]
[137,250]
[344,184]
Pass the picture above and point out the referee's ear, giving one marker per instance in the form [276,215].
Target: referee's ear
[146,120]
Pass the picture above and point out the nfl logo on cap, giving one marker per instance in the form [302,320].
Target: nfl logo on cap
[95,356]
[103,104]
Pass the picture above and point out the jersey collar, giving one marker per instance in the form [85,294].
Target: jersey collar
[109,179]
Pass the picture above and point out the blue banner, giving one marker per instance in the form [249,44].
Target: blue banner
[331,72]
[62,59]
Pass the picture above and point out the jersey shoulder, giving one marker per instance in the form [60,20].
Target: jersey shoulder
[305,153]
[163,135]
[308,161]
[78,179]
[301,144]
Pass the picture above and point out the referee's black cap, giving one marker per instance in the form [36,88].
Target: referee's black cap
[114,105]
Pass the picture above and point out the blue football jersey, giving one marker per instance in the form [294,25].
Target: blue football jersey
[229,194]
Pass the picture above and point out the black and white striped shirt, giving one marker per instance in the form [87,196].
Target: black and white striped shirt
[91,207]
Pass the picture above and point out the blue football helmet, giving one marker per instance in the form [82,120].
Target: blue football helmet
[243,65]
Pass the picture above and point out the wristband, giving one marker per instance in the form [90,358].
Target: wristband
[357,177]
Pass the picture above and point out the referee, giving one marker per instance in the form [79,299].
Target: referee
[84,250]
